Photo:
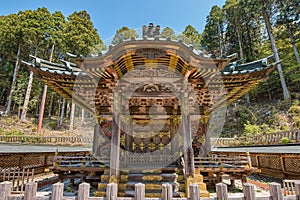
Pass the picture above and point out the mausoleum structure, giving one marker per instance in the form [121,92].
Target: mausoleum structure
[152,99]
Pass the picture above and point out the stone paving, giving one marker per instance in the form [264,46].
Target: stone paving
[23,148]
[263,149]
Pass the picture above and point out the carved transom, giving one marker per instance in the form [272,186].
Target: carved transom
[150,53]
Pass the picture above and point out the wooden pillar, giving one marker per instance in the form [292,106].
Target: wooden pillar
[173,136]
[95,140]
[188,151]
[129,138]
[115,147]
[207,146]
[115,138]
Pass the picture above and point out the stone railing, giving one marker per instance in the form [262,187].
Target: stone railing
[262,139]
[148,160]
[139,194]
[55,140]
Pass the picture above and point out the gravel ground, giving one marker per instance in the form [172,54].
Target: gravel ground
[264,179]
[233,192]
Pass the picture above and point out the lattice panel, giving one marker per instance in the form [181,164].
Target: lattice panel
[27,161]
[150,143]
[33,161]
[271,162]
[102,98]
[50,160]
[9,161]
[253,161]
[292,164]
[203,97]
[153,102]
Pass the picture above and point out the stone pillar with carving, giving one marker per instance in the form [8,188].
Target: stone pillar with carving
[115,139]
[96,145]
[129,134]
[175,135]
[188,151]
[207,144]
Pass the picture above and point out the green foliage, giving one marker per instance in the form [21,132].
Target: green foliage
[36,32]
[20,90]
[80,35]
[245,115]
[285,140]
[294,111]
[168,33]
[251,129]
[14,132]
[213,34]
[9,120]
[123,33]
[260,118]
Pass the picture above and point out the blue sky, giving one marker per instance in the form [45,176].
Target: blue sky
[110,15]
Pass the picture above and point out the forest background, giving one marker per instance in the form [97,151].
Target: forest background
[253,29]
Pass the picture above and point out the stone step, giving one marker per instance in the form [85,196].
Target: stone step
[105,178]
[153,180]
[150,177]
[149,187]
[156,194]
[169,169]
[182,187]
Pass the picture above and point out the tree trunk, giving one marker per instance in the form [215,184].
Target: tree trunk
[27,96]
[57,106]
[42,108]
[62,112]
[2,96]
[44,96]
[289,28]
[286,94]
[240,43]
[50,106]
[72,116]
[82,116]
[242,58]
[220,41]
[68,109]
[38,106]
[7,111]
[19,112]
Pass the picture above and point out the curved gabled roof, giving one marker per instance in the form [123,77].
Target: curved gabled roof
[91,81]
[151,51]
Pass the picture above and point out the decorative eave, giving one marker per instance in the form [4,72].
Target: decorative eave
[93,90]
[62,78]
[125,56]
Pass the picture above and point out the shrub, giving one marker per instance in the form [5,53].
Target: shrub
[9,121]
[36,140]
[251,129]
[294,111]
[14,132]
[285,140]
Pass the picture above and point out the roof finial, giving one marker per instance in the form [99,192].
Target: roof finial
[151,31]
